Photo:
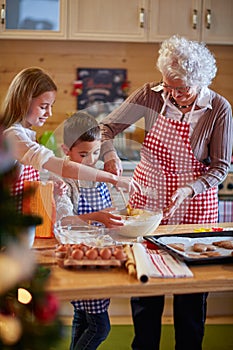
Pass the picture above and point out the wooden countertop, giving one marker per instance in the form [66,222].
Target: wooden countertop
[115,282]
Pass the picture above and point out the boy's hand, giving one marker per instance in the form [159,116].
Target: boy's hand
[109,219]
[60,188]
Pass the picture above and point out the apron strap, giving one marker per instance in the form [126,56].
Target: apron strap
[165,104]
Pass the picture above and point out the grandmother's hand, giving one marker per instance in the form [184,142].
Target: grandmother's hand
[176,199]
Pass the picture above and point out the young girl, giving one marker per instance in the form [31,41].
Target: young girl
[29,103]
[86,201]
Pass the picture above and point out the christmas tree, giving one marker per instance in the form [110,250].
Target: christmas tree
[28,313]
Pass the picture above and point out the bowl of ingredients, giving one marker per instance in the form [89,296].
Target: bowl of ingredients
[139,222]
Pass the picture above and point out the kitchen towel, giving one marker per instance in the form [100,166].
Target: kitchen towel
[158,263]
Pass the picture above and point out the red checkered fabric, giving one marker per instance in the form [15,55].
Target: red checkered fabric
[29,174]
[167,163]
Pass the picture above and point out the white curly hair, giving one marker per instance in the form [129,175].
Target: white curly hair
[187,60]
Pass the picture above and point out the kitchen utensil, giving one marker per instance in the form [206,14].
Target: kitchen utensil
[143,224]
[127,205]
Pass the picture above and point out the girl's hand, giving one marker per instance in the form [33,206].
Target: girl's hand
[114,166]
[129,184]
[176,199]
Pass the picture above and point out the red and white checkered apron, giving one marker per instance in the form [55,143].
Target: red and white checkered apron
[167,162]
[29,174]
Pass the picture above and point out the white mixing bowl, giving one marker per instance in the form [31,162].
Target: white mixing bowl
[141,223]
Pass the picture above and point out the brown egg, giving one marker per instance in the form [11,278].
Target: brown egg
[119,254]
[77,254]
[61,248]
[61,251]
[83,246]
[105,253]
[92,254]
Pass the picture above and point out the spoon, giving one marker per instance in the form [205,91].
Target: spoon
[127,205]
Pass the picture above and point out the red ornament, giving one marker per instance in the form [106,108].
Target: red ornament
[77,87]
[47,311]
[125,86]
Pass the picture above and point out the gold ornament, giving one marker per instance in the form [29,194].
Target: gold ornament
[10,329]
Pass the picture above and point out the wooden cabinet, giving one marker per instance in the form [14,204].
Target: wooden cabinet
[151,20]
[217,23]
[108,20]
[126,21]
[27,19]
[203,20]
[174,17]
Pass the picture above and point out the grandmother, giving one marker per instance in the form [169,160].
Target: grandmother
[185,155]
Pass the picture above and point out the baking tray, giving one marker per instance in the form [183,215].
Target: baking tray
[162,241]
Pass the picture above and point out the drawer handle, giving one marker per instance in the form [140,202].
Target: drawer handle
[194,19]
[208,19]
[3,14]
[142,18]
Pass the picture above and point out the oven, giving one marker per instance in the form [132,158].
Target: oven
[225,194]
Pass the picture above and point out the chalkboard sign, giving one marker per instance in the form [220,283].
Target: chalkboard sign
[101,90]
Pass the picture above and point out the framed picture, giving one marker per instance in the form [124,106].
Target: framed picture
[101,90]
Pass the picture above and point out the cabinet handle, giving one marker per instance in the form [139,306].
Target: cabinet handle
[208,18]
[3,14]
[194,19]
[142,17]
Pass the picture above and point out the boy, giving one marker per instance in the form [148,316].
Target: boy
[89,202]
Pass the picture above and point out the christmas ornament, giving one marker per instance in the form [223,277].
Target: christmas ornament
[77,88]
[47,309]
[10,329]
[28,314]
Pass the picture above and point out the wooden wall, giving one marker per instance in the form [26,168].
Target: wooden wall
[61,58]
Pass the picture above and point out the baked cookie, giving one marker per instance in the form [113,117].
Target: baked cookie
[211,254]
[224,244]
[202,247]
[197,256]
[177,246]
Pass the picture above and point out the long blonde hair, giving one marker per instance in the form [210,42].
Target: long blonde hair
[27,84]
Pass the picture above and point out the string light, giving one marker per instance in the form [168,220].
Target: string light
[24,296]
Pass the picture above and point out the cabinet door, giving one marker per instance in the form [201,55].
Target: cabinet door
[37,19]
[110,20]
[217,23]
[168,17]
